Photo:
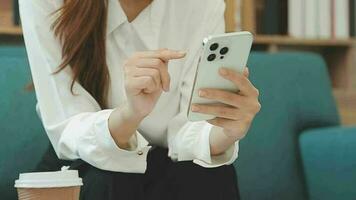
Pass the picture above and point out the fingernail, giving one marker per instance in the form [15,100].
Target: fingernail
[195,108]
[167,88]
[202,93]
[223,71]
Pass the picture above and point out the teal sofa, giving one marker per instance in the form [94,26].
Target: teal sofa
[23,140]
[295,149]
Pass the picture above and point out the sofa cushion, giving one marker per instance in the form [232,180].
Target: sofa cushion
[329,162]
[295,95]
[23,140]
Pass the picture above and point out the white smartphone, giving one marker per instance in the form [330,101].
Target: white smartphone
[230,50]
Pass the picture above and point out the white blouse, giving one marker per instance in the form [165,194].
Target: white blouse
[76,125]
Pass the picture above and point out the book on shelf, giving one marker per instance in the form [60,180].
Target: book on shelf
[16,13]
[340,19]
[311,19]
[352,11]
[296,18]
[270,18]
[317,20]
[324,19]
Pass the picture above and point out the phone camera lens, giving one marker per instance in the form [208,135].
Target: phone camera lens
[224,51]
[214,46]
[211,57]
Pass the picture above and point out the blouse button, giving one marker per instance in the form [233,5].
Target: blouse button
[140,152]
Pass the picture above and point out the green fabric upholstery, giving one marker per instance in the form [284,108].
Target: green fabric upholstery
[329,157]
[23,140]
[295,95]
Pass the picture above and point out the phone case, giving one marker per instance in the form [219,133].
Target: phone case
[230,50]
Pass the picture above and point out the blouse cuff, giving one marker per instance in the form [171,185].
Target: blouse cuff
[196,146]
[207,160]
[132,160]
[227,158]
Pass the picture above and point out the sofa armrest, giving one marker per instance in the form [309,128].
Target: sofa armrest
[329,159]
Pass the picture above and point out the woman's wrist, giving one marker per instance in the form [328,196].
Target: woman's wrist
[231,136]
[129,115]
[123,125]
[219,141]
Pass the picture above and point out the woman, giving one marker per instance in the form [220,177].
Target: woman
[113,96]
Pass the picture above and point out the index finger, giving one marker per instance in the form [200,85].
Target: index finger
[164,54]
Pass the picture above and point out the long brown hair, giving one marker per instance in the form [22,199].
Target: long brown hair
[81,28]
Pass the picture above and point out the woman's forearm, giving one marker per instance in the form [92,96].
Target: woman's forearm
[123,125]
[219,142]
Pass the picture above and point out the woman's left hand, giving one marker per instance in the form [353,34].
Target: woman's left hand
[237,110]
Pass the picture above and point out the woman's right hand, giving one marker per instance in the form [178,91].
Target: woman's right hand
[146,77]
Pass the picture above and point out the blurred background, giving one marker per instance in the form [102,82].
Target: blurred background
[302,145]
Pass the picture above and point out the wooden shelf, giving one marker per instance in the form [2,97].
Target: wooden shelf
[347,107]
[290,41]
[11,30]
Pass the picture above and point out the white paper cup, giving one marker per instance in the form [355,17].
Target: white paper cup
[60,185]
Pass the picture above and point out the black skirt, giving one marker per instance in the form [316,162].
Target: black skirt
[163,180]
